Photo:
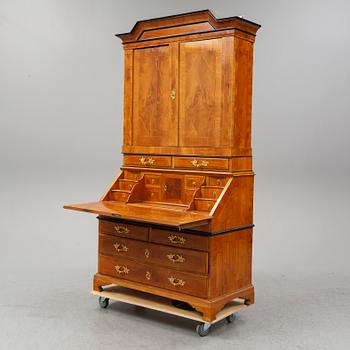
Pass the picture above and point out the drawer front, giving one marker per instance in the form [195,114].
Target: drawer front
[126,184]
[119,196]
[178,239]
[152,180]
[203,204]
[148,161]
[132,175]
[217,181]
[201,163]
[193,182]
[123,230]
[176,258]
[211,192]
[132,270]
[152,194]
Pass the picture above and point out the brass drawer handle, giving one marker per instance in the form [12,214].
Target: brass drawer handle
[122,270]
[147,161]
[199,163]
[147,253]
[121,229]
[176,258]
[176,282]
[176,239]
[148,275]
[120,247]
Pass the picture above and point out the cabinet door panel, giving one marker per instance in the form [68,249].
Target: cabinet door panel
[154,105]
[173,188]
[205,87]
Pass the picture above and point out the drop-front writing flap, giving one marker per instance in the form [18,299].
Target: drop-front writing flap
[155,215]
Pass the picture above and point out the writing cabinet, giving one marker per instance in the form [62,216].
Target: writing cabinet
[177,220]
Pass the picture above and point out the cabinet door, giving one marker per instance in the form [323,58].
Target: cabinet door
[206,73]
[154,96]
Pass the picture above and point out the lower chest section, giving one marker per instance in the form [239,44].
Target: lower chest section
[163,258]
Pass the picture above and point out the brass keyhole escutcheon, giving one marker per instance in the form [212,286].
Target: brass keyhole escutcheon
[173,94]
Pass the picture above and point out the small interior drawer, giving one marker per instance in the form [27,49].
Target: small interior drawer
[192,182]
[152,194]
[152,180]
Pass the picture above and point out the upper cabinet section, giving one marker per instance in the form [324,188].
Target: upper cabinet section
[188,86]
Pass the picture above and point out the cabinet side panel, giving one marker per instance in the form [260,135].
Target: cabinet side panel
[236,207]
[230,262]
[243,70]
[128,92]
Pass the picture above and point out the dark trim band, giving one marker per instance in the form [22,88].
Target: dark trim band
[168,228]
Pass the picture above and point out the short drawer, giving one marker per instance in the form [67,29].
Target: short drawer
[201,163]
[178,239]
[152,194]
[217,181]
[132,270]
[147,161]
[119,195]
[123,230]
[203,204]
[193,182]
[177,258]
[152,180]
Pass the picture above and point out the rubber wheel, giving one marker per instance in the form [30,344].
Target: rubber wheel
[104,302]
[203,329]
[231,318]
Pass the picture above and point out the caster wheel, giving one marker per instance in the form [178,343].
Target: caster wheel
[231,318]
[203,329]
[104,302]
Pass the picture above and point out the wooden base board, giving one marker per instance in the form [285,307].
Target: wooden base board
[155,302]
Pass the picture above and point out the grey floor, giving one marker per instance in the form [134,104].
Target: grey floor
[54,310]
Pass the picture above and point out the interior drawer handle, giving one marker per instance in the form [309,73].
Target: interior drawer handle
[176,258]
[176,239]
[120,247]
[122,270]
[176,282]
[199,163]
[121,229]
[147,161]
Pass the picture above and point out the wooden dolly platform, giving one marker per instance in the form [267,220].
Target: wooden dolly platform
[155,302]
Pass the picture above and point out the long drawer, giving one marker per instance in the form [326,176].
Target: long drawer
[176,258]
[196,285]
[124,230]
[179,239]
[196,163]
[147,161]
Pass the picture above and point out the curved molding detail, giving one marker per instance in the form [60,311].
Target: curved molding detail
[187,23]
